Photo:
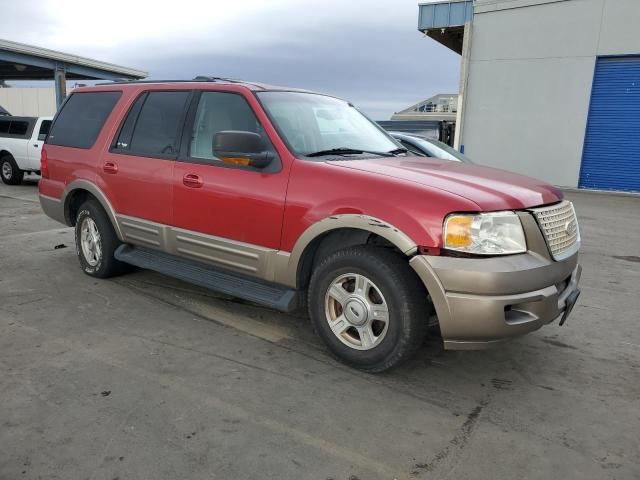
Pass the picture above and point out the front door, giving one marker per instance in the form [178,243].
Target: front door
[227,214]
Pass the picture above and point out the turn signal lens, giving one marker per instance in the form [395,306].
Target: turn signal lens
[235,160]
[458,231]
[492,233]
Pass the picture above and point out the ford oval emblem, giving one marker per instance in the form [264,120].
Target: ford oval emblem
[569,228]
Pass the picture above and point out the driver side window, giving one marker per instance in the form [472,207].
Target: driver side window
[217,112]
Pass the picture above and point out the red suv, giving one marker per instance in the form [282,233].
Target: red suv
[289,198]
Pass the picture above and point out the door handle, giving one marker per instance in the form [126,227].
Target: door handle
[192,180]
[36,145]
[110,167]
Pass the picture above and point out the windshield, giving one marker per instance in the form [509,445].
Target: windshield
[312,123]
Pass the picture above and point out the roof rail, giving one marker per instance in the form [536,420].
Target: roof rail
[199,78]
[209,78]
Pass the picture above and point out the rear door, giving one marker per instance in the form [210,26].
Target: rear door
[37,139]
[138,167]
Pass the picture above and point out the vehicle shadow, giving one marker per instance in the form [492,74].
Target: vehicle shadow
[455,380]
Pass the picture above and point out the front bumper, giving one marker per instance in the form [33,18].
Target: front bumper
[482,301]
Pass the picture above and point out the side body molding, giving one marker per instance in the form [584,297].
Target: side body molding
[286,267]
[264,263]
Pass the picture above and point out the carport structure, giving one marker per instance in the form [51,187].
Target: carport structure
[19,61]
[449,22]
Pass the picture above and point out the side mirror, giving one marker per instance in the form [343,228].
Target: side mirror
[241,148]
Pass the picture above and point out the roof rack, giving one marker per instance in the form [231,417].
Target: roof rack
[208,78]
[199,78]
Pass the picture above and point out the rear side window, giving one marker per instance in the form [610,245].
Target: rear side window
[18,128]
[15,128]
[152,127]
[44,129]
[82,117]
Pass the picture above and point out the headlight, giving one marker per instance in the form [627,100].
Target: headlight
[496,233]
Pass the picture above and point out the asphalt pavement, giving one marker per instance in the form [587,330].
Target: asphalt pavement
[146,377]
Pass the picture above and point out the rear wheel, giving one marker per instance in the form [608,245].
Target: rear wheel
[369,307]
[9,171]
[96,242]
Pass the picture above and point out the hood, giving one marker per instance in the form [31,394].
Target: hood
[489,188]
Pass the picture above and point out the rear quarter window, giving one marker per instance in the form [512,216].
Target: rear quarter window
[81,119]
[13,127]
[18,128]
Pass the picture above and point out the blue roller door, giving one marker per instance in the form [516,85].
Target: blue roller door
[611,155]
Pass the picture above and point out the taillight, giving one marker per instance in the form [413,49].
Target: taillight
[44,168]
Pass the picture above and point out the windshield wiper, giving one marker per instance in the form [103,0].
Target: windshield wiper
[348,151]
[398,151]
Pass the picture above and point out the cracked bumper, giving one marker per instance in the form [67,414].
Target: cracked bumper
[483,301]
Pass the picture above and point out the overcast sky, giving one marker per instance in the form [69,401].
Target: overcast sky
[369,52]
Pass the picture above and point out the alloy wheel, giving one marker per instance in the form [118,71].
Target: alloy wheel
[356,311]
[90,241]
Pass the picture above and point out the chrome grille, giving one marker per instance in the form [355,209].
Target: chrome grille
[559,226]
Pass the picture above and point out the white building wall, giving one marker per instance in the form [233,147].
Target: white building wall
[28,102]
[530,75]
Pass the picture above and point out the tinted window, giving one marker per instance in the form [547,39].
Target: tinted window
[156,129]
[4,126]
[82,117]
[126,130]
[218,111]
[18,128]
[44,129]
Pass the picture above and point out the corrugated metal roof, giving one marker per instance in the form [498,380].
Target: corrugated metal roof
[69,59]
[444,14]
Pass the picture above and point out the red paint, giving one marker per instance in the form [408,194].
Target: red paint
[412,194]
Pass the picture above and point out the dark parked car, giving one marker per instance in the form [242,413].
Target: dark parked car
[428,147]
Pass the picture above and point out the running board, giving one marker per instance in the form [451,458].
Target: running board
[232,284]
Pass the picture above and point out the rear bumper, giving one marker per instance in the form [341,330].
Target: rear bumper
[481,302]
[53,208]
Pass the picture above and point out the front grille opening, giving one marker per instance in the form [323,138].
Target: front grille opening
[559,226]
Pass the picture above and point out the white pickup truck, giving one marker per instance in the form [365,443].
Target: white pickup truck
[21,140]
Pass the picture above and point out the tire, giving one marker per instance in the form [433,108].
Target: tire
[392,291]
[93,222]
[9,171]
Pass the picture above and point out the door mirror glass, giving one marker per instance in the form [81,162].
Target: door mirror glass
[241,148]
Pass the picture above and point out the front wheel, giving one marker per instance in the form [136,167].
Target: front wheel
[9,171]
[369,307]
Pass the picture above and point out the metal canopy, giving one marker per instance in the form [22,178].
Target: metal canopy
[26,62]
